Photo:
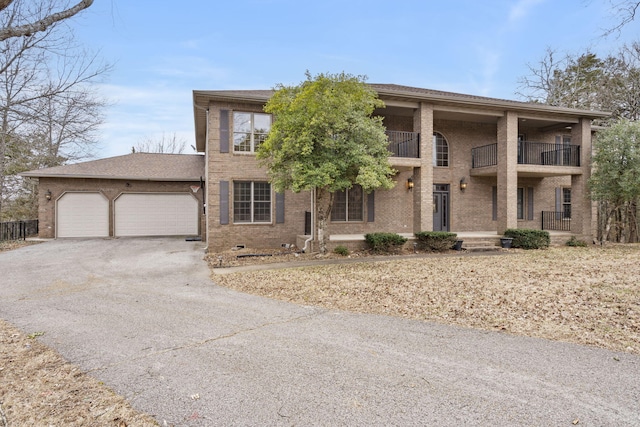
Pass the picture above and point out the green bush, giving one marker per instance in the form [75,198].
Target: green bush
[528,239]
[341,250]
[437,241]
[576,242]
[384,242]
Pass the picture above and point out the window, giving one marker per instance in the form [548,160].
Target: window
[440,150]
[566,203]
[348,205]
[249,131]
[251,202]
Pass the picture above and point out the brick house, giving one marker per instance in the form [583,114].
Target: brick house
[139,194]
[464,164]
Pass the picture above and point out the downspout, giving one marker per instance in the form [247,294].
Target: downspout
[313,216]
[206,172]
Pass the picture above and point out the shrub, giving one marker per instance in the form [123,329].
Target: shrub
[576,242]
[437,241]
[528,239]
[341,250]
[384,242]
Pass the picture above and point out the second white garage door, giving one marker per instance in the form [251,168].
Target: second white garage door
[156,214]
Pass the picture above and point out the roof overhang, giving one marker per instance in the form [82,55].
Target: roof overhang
[446,104]
[35,174]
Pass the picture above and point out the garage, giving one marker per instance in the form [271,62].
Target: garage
[82,215]
[156,214]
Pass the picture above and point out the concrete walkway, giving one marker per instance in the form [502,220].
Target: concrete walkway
[143,316]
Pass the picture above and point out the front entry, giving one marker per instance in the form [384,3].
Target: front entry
[440,207]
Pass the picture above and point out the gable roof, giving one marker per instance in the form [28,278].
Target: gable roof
[135,166]
[201,99]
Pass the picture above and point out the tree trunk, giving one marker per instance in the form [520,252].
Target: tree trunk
[324,203]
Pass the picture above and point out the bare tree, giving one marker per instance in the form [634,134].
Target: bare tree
[171,144]
[625,13]
[38,20]
[48,104]
[588,82]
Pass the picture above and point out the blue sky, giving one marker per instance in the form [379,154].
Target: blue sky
[162,50]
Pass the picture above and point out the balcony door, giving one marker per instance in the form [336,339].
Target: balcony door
[440,207]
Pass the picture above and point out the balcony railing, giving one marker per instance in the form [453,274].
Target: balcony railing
[487,155]
[404,144]
[539,153]
[529,153]
[555,221]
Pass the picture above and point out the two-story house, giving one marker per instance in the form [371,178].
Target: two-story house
[464,163]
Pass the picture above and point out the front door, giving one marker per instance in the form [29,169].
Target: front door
[440,207]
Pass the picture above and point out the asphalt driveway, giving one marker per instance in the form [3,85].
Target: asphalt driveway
[143,316]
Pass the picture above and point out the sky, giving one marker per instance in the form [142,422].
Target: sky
[163,50]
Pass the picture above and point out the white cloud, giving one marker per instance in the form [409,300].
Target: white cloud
[145,111]
[521,9]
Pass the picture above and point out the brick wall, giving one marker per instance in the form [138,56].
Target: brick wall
[470,210]
[110,188]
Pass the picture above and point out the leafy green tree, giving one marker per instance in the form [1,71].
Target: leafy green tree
[325,139]
[615,181]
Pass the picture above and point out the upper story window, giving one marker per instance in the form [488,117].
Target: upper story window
[249,131]
[251,202]
[348,205]
[440,150]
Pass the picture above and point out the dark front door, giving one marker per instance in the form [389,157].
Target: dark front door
[440,207]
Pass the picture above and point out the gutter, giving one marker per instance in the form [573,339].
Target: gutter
[313,216]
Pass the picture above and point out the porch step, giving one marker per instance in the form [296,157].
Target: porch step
[481,244]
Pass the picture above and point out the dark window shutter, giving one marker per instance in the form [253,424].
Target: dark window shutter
[224,202]
[494,203]
[224,131]
[530,203]
[279,208]
[371,208]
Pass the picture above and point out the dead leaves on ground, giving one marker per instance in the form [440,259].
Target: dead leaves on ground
[581,295]
[38,387]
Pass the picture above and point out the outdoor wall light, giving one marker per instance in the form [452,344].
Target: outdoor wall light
[410,183]
[47,195]
[463,184]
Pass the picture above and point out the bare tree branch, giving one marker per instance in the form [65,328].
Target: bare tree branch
[41,24]
[625,11]
[171,144]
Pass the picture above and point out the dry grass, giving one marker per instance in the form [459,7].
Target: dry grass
[15,244]
[581,295]
[39,388]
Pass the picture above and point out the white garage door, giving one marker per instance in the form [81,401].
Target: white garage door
[82,215]
[156,214]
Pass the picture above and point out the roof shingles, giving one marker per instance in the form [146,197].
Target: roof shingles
[135,166]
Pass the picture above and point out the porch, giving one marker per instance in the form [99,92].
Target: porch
[472,240]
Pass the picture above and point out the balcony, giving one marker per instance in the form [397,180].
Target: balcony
[404,144]
[529,153]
